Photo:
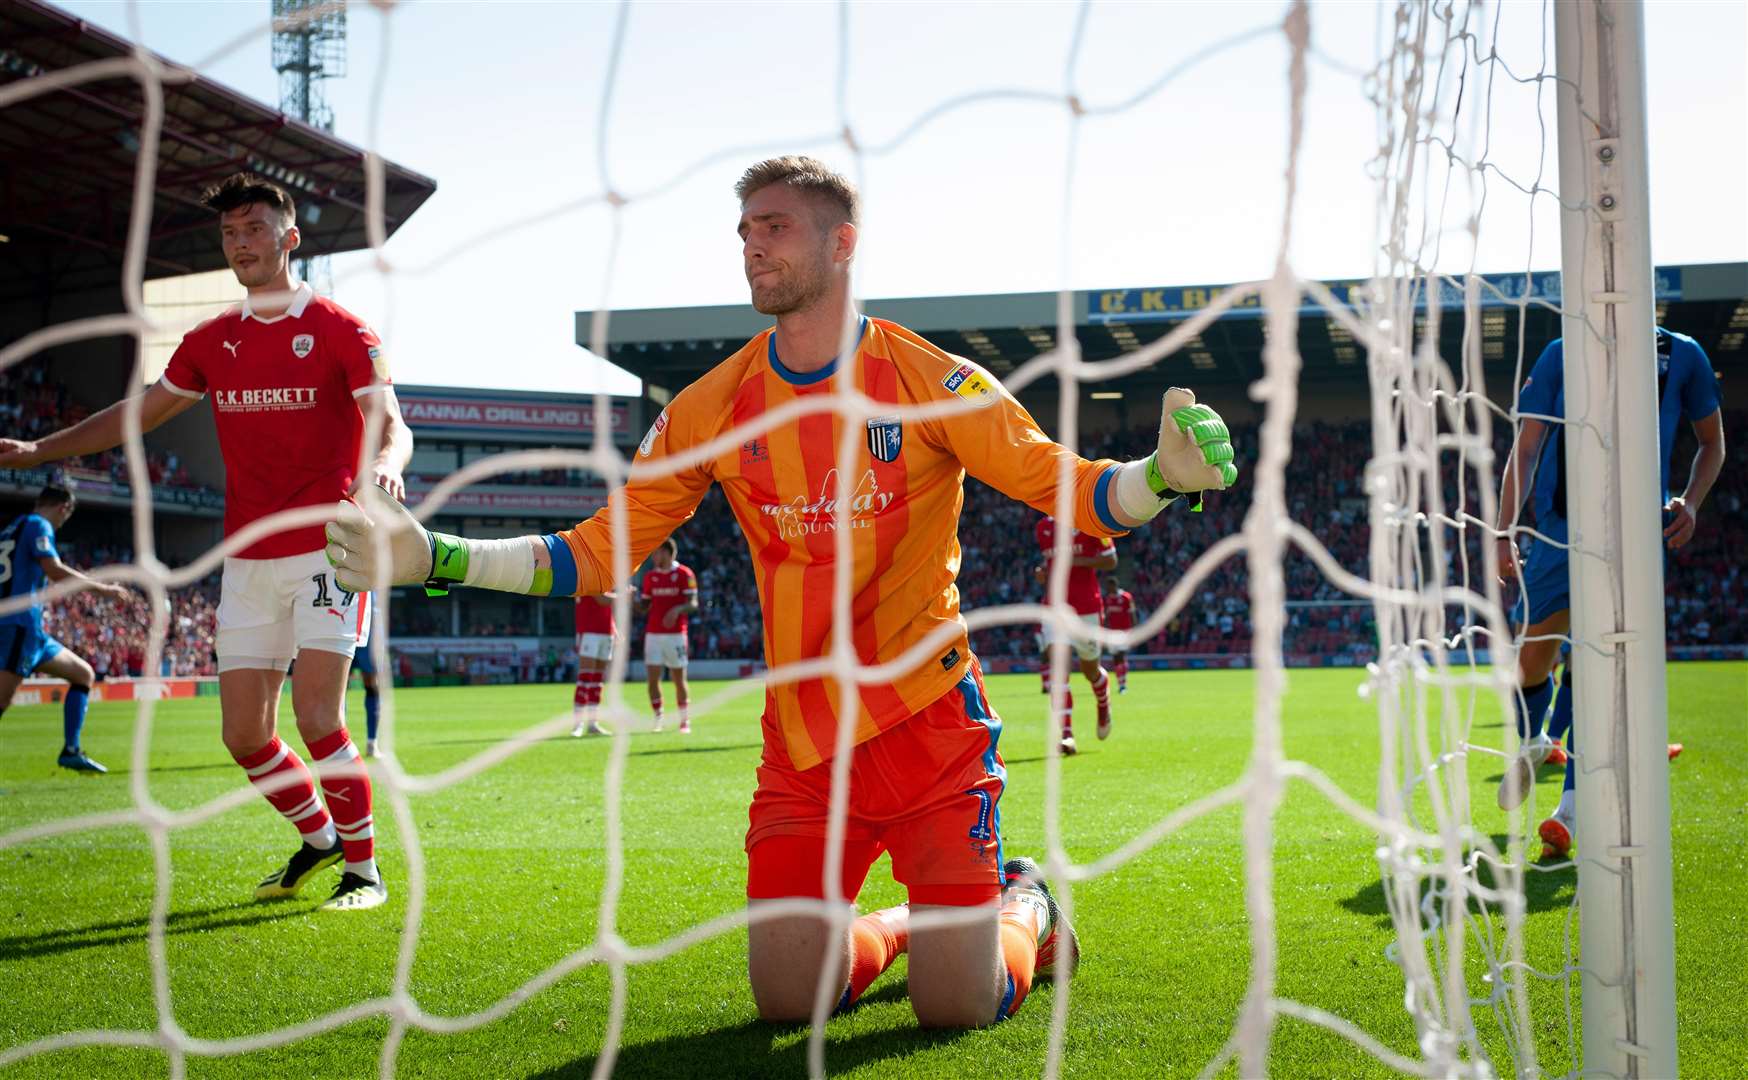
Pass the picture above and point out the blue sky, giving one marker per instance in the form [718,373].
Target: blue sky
[500,103]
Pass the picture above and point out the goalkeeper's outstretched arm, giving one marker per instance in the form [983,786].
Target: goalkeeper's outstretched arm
[572,562]
[1006,449]
[374,541]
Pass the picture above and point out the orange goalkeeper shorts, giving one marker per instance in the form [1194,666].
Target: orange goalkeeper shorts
[927,790]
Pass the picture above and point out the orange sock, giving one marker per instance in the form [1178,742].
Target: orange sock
[1019,951]
[876,940]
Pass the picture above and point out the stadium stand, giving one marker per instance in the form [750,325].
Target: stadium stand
[32,404]
[1325,626]
[1707,607]
[483,637]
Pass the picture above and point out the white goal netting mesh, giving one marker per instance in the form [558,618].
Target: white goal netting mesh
[1455,895]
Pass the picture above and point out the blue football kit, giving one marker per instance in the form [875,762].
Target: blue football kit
[23,644]
[1687,390]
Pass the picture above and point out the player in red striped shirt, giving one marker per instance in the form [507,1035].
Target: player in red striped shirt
[595,634]
[295,379]
[1119,615]
[670,593]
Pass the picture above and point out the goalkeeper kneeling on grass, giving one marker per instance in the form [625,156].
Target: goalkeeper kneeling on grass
[926,777]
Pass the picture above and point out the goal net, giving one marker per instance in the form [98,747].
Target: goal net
[1465,240]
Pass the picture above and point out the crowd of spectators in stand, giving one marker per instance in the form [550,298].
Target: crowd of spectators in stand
[111,634]
[1707,586]
[565,478]
[1706,601]
[33,405]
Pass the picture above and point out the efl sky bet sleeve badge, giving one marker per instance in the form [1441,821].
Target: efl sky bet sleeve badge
[302,345]
[885,437]
[969,382]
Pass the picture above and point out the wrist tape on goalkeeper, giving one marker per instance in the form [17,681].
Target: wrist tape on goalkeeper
[1139,491]
[448,563]
[501,565]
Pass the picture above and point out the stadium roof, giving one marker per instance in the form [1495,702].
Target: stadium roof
[670,347]
[68,156]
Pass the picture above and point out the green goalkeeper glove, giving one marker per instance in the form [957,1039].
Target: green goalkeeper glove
[1195,448]
[1195,454]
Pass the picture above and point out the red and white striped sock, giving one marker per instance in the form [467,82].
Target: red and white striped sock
[1102,689]
[655,703]
[581,697]
[346,786]
[1123,671]
[283,779]
[1068,712]
[592,689]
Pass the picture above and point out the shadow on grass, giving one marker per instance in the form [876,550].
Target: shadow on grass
[750,1050]
[124,931]
[1039,757]
[697,749]
[1542,891]
[604,742]
[231,765]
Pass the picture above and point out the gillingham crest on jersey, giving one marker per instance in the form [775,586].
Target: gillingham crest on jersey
[969,382]
[302,345]
[885,438]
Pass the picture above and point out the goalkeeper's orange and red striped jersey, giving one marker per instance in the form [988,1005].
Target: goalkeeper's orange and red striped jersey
[907,487]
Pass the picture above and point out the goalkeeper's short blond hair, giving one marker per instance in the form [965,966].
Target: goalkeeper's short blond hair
[829,189]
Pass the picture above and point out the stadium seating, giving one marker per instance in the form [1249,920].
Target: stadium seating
[1707,605]
[33,405]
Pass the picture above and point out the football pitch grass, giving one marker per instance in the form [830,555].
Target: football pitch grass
[515,864]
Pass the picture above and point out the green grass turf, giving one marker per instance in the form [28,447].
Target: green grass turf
[515,866]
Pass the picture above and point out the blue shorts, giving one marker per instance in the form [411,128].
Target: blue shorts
[363,662]
[1547,582]
[23,649]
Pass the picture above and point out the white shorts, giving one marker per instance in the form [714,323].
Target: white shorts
[665,650]
[271,609]
[595,646]
[1086,648]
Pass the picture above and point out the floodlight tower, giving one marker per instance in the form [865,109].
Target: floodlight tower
[309,48]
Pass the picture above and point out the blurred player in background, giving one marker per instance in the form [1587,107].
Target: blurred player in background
[295,380]
[1088,554]
[925,774]
[1687,390]
[595,633]
[670,594]
[365,664]
[1119,615]
[28,561]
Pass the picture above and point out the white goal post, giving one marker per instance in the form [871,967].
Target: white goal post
[1625,887]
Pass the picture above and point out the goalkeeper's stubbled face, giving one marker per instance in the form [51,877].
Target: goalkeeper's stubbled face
[786,253]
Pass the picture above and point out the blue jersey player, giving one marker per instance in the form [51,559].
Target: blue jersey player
[28,559]
[365,665]
[1687,390]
